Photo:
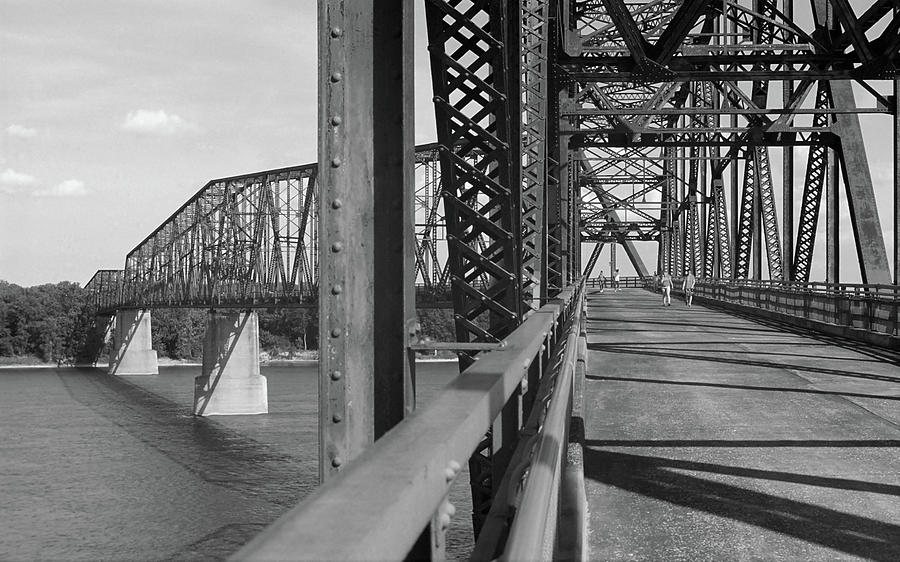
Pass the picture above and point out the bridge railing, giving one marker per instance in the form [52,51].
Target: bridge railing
[379,506]
[624,283]
[859,307]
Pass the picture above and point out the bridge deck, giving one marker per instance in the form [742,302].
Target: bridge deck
[716,437]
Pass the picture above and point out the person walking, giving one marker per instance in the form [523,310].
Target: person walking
[616,280]
[602,281]
[666,283]
[687,285]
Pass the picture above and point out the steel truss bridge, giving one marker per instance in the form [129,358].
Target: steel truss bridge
[727,133]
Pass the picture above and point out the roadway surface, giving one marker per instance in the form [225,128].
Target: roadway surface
[716,437]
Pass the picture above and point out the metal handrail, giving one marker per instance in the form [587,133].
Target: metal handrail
[379,505]
[866,309]
[878,291]
[530,533]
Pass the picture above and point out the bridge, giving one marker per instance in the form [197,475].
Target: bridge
[591,423]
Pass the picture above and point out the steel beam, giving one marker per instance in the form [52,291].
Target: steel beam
[896,125]
[870,248]
[366,223]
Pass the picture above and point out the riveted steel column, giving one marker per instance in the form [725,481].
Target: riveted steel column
[366,223]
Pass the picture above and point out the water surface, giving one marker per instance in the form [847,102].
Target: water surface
[95,467]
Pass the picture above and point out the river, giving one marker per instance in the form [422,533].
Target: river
[95,467]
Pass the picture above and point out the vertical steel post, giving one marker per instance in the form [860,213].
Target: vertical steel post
[896,109]
[832,221]
[787,178]
[366,279]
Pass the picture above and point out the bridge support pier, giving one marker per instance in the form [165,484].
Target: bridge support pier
[231,383]
[134,353]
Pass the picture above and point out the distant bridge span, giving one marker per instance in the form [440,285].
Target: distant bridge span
[251,241]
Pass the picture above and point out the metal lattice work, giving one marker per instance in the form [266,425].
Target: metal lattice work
[478,112]
[813,188]
[240,241]
[768,214]
[105,288]
[253,240]
[747,218]
[676,81]
[482,202]
[534,93]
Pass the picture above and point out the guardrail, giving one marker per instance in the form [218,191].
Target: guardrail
[624,283]
[386,498]
[853,309]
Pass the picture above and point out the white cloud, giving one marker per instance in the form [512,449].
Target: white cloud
[156,122]
[12,178]
[68,188]
[20,131]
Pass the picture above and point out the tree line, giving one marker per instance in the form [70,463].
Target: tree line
[57,323]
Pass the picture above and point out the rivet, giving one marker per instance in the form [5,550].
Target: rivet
[335,333]
[337,418]
[337,247]
[444,521]
[336,120]
[336,290]
[336,462]
[336,77]
[452,470]
[336,375]
[451,509]
[336,162]
[337,204]
[336,31]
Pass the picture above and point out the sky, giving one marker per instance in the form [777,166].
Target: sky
[113,114]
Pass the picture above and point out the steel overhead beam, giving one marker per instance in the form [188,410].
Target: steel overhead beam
[870,247]
[675,33]
[636,260]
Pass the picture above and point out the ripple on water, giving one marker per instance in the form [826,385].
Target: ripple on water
[99,467]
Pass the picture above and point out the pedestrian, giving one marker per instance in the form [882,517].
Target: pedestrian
[602,281]
[616,280]
[655,282]
[687,285]
[666,283]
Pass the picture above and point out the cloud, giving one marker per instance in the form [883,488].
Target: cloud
[12,180]
[156,122]
[20,131]
[68,188]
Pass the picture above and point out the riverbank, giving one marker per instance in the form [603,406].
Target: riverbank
[264,360]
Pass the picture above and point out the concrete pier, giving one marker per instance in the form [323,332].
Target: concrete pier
[231,383]
[134,353]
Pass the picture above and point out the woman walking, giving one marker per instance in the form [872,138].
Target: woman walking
[666,284]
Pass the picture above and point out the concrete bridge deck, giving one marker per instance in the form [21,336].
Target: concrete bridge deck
[717,437]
